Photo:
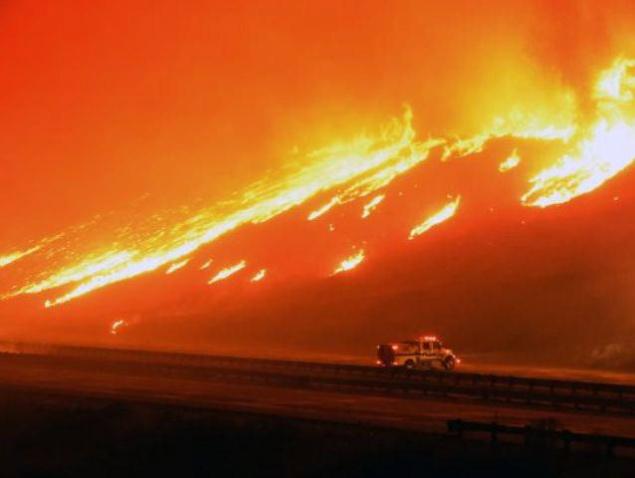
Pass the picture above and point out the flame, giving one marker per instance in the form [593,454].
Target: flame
[606,150]
[511,162]
[116,325]
[416,153]
[349,171]
[90,267]
[366,163]
[206,264]
[227,272]
[548,126]
[350,262]
[176,266]
[258,276]
[16,256]
[371,205]
[324,209]
[616,83]
[445,213]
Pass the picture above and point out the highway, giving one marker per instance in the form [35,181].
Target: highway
[163,379]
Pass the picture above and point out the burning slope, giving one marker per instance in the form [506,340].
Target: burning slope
[369,163]
[339,175]
[602,151]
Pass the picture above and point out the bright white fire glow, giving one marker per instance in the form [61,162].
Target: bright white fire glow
[227,272]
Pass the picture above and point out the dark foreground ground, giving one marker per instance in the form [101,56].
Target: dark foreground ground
[71,419]
[58,436]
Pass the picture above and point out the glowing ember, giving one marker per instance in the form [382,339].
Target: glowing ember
[227,272]
[437,218]
[117,325]
[511,162]
[350,262]
[176,266]
[206,265]
[258,276]
[370,206]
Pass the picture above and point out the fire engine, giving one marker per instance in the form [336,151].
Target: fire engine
[425,351]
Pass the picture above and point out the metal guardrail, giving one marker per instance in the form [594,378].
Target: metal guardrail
[597,397]
[543,437]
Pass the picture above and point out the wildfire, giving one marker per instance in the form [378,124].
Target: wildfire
[227,272]
[607,149]
[371,205]
[351,262]
[511,162]
[445,213]
[365,164]
[547,127]
[206,264]
[342,173]
[258,276]
[88,268]
[176,266]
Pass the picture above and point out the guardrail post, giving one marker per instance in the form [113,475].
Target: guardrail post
[527,435]
[494,433]
[566,441]
[610,448]
[456,426]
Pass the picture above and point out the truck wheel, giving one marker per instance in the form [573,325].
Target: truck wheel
[449,363]
[409,364]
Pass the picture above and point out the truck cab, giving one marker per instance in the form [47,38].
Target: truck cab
[425,351]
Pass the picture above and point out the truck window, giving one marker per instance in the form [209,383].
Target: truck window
[436,345]
[427,346]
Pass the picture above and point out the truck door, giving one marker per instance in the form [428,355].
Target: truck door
[436,348]
[426,350]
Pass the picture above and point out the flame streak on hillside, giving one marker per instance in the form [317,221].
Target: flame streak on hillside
[206,264]
[521,126]
[445,213]
[350,262]
[371,205]
[510,163]
[176,266]
[323,209]
[605,149]
[227,272]
[346,172]
[16,256]
[117,325]
[258,276]
[416,153]
[368,163]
